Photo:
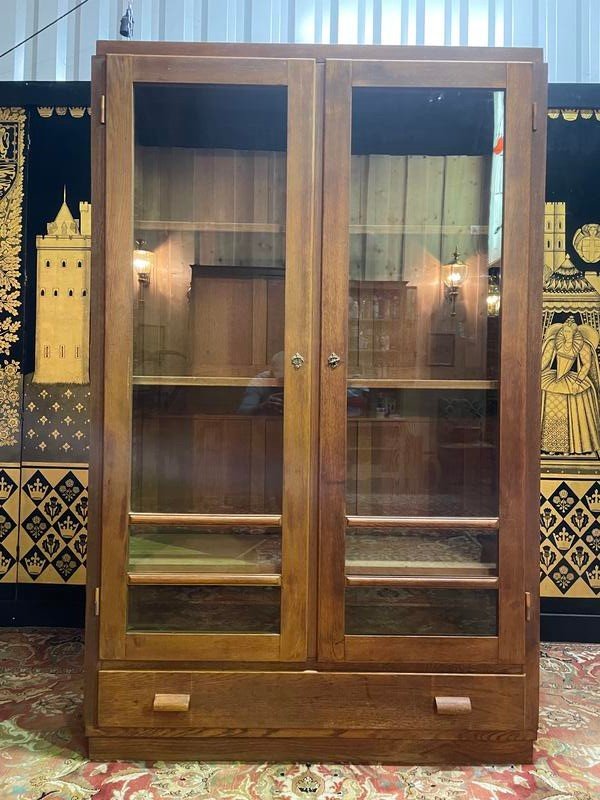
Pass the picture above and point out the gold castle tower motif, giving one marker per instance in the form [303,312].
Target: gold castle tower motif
[554,237]
[63,303]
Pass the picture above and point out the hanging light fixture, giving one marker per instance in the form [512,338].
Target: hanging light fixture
[143,261]
[454,275]
[126,24]
[493,297]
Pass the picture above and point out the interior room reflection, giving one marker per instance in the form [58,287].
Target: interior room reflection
[424,275]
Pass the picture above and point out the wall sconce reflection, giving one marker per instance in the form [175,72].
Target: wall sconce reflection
[143,262]
[454,275]
[493,297]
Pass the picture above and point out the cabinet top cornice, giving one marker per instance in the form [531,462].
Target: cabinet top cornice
[321,51]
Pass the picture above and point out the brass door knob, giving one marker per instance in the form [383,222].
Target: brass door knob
[297,360]
[334,360]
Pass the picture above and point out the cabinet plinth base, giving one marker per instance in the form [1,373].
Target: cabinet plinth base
[337,750]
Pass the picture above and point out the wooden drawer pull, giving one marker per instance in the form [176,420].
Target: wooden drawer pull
[171,702]
[453,705]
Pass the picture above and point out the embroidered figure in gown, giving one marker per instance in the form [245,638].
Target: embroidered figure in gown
[570,389]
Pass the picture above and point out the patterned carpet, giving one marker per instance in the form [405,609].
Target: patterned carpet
[42,753]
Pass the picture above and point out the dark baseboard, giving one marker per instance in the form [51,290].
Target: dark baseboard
[45,606]
[570,620]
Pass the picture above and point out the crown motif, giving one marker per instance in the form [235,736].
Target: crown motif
[593,577]
[77,111]
[5,489]
[34,564]
[570,114]
[45,111]
[4,564]
[593,501]
[67,528]
[564,539]
[37,490]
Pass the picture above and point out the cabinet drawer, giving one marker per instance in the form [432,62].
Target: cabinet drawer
[310,700]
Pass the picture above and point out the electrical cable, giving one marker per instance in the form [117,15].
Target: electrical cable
[41,30]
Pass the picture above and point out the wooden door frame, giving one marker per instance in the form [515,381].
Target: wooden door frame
[518,359]
[113,236]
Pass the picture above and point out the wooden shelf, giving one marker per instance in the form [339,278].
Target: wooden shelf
[205,579]
[204,380]
[358,320]
[375,228]
[450,523]
[202,520]
[276,227]
[421,383]
[208,227]
[413,582]
[212,271]
[418,569]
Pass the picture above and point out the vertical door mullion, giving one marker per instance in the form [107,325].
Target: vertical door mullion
[298,461]
[336,226]
[514,344]
[118,289]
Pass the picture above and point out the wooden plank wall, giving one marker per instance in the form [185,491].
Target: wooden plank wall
[447,191]
[182,197]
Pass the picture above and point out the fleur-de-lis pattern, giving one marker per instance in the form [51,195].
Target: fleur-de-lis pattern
[55,422]
[569,537]
[53,543]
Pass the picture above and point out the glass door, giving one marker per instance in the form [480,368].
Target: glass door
[208,348]
[422,499]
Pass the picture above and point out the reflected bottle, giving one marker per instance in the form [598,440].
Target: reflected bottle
[363,341]
[376,307]
[384,342]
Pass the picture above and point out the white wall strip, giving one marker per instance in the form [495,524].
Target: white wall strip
[569,30]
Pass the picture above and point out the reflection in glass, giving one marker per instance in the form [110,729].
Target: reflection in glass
[154,549]
[208,366]
[386,611]
[421,552]
[204,609]
[425,230]
[422,452]
[210,205]
[199,449]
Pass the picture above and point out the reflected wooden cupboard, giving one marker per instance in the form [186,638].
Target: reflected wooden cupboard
[316,290]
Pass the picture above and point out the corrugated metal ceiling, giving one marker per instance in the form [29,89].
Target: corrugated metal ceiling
[568,30]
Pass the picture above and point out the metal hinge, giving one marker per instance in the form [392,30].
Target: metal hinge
[534,116]
[102,109]
[528,606]
[97,601]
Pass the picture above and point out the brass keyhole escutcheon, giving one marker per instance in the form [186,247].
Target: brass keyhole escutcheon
[334,360]
[297,360]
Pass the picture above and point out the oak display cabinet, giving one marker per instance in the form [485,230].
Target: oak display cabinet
[315,352]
